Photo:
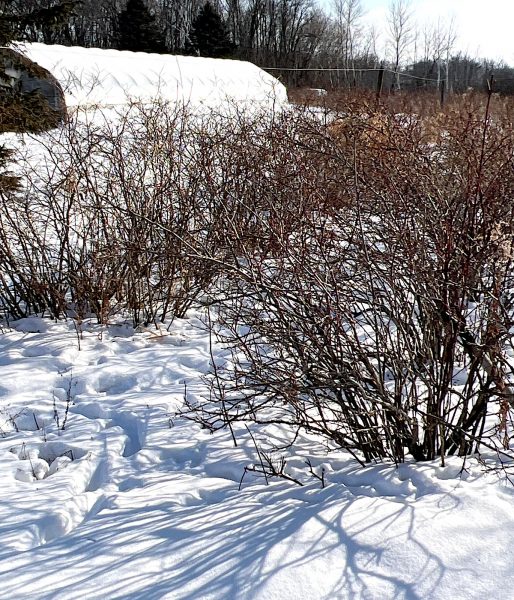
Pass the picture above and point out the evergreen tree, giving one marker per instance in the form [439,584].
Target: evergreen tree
[6,25]
[39,24]
[138,29]
[209,35]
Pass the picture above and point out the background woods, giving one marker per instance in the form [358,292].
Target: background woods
[305,44]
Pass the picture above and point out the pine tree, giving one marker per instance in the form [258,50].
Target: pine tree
[6,26]
[19,24]
[138,30]
[208,35]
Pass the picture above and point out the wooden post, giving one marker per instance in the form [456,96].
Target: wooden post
[442,91]
[490,84]
[380,82]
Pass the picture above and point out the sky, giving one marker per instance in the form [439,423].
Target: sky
[484,29]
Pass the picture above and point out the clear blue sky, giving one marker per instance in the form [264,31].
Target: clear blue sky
[485,28]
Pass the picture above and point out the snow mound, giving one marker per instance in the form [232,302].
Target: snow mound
[95,77]
[30,325]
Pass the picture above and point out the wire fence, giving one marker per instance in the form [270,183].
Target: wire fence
[391,78]
[355,70]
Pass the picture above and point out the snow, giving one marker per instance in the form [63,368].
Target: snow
[95,77]
[123,498]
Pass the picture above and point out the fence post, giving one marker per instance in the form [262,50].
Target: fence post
[442,91]
[490,84]
[380,82]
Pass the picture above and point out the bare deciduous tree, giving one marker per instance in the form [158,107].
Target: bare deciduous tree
[400,30]
[348,14]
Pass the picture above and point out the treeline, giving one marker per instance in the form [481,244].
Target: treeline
[306,45]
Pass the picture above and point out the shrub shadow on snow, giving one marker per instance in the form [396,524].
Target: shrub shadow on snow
[244,546]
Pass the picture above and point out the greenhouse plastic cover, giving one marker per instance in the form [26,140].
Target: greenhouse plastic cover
[92,76]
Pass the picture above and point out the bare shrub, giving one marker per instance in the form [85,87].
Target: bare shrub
[382,317]
[360,272]
[127,212]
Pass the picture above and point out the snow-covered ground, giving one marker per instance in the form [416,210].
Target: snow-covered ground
[107,493]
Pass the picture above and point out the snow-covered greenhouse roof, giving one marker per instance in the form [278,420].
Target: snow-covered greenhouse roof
[91,76]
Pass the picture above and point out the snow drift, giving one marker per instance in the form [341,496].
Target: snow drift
[91,76]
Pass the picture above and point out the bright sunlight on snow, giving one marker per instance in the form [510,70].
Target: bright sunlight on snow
[107,494]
